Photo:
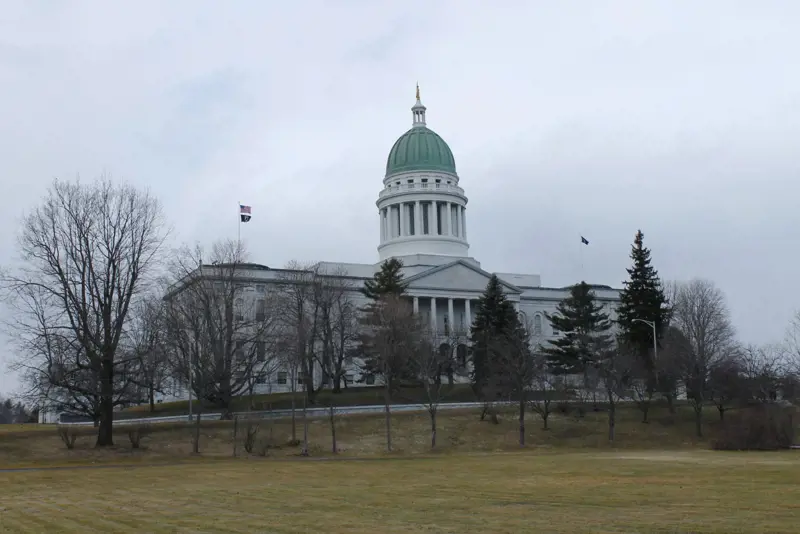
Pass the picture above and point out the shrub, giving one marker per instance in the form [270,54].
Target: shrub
[764,427]
[563,407]
[68,435]
[136,433]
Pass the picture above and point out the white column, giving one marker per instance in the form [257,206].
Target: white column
[459,222]
[433,223]
[516,305]
[464,223]
[467,315]
[447,219]
[383,226]
[403,229]
[451,320]
[418,218]
[416,305]
[433,314]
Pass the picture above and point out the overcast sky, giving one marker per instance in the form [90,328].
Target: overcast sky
[598,118]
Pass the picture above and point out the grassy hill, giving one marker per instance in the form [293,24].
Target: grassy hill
[363,435]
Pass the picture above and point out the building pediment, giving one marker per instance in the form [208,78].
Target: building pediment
[458,276]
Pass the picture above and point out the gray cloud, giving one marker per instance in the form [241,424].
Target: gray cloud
[679,118]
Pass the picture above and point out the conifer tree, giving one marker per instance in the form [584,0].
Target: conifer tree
[388,280]
[495,319]
[642,299]
[584,327]
[386,284]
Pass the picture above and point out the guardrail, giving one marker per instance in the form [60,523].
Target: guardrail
[278,414]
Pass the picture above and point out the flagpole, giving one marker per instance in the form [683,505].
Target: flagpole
[239,228]
[580,244]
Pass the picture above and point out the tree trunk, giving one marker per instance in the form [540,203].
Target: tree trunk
[152,396]
[105,431]
[334,448]
[294,417]
[235,434]
[388,417]
[304,452]
[670,403]
[432,413]
[196,444]
[698,419]
[612,418]
[522,419]
[645,407]
[721,410]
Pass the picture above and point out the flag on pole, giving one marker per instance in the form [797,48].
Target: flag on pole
[244,213]
[584,240]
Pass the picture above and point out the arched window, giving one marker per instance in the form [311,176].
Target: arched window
[537,324]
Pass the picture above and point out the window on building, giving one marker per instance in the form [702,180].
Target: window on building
[261,310]
[261,351]
[370,380]
[282,377]
[239,354]
[261,288]
[348,378]
[426,225]
[238,308]
[261,378]
[537,325]
[412,229]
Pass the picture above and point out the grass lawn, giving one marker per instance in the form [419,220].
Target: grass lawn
[529,491]
[363,435]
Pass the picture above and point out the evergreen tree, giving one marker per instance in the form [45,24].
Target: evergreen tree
[386,284]
[584,327]
[388,280]
[642,298]
[495,319]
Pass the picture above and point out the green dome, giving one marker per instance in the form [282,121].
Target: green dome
[420,149]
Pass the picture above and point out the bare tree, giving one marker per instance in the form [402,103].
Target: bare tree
[432,358]
[391,338]
[220,329]
[726,385]
[144,344]
[513,370]
[86,251]
[763,369]
[547,387]
[701,315]
[299,324]
[613,364]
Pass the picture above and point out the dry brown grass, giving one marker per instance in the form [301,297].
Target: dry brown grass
[530,491]
[360,436]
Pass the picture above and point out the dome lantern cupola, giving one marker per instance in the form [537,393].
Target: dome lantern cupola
[420,148]
[418,112]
